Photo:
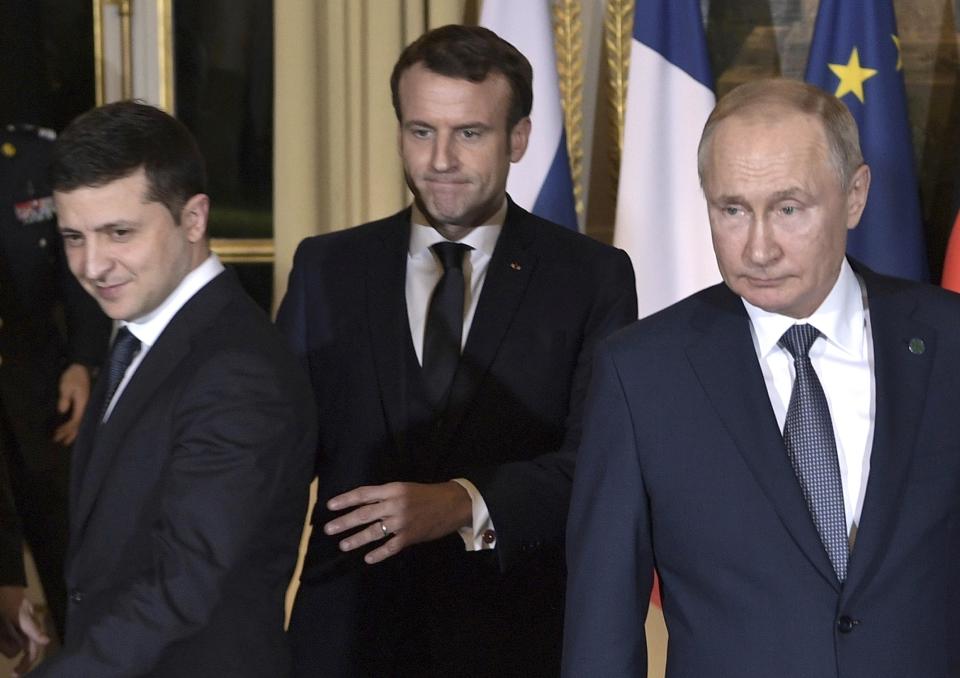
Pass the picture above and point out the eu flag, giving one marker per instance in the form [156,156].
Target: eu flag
[856,56]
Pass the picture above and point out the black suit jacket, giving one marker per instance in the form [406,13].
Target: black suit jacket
[683,467]
[187,503]
[47,321]
[511,427]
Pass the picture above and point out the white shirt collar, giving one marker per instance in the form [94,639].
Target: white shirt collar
[482,238]
[839,318]
[148,328]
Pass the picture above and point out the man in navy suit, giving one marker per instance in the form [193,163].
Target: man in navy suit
[444,477]
[783,448]
[189,475]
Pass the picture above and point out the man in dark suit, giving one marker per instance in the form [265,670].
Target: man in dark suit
[188,483]
[444,478]
[783,448]
[52,335]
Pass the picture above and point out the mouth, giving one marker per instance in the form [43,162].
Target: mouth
[108,291]
[764,282]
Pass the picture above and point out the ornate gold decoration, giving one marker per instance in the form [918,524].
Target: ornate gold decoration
[125,10]
[243,250]
[165,55]
[618,27]
[568,44]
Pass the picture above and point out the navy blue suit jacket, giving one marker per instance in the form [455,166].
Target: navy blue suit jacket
[682,467]
[511,427]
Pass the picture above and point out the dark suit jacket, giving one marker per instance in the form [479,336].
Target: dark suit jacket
[683,467]
[47,321]
[186,505]
[511,427]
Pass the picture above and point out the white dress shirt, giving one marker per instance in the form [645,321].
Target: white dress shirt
[149,327]
[424,271]
[843,361]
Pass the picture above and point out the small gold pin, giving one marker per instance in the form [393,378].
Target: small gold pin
[916,346]
[8,149]
[515,266]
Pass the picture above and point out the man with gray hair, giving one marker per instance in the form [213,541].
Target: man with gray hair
[782,447]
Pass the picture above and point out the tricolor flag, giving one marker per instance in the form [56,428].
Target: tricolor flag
[661,213]
[541,181]
[856,55]
[951,263]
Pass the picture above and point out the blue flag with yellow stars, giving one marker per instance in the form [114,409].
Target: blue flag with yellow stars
[855,55]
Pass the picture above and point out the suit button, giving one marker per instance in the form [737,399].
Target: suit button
[76,596]
[489,536]
[846,624]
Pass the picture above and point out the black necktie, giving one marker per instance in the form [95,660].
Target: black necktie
[442,337]
[125,347]
[808,436]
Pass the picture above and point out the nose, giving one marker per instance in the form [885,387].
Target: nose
[444,157]
[761,248]
[96,262]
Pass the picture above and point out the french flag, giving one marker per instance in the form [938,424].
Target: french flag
[661,217]
[541,181]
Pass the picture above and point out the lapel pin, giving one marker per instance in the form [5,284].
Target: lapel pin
[916,346]
[515,266]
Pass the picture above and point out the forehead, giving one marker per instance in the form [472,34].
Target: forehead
[123,199]
[427,96]
[781,143]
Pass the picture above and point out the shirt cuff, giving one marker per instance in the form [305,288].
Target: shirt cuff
[480,536]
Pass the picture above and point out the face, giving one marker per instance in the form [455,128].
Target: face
[778,216]
[128,253]
[455,146]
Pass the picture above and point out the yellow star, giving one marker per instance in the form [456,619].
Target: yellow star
[896,41]
[852,76]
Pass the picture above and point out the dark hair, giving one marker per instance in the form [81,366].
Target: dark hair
[114,141]
[469,53]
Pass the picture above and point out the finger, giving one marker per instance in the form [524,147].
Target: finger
[358,496]
[362,516]
[374,532]
[65,433]
[390,548]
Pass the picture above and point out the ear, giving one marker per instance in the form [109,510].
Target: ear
[857,195]
[193,217]
[519,136]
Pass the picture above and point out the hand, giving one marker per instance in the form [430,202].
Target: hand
[410,512]
[20,628]
[31,627]
[74,394]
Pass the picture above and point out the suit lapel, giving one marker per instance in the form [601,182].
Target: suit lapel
[723,357]
[510,269]
[107,441]
[901,378]
[389,325]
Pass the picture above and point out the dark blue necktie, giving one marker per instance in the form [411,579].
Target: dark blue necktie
[125,348]
[444,329]
[808,436]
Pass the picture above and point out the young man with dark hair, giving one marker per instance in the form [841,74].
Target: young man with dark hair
[189,475]
[449,347]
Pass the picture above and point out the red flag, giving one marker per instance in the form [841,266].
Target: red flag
[951,262]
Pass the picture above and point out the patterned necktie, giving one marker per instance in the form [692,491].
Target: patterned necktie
[125,348]
[808,436]
[444,330]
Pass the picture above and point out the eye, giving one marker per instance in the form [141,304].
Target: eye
[72,239]
[470,133]
[731,210]
[120,233]
[788,210]
[420,132]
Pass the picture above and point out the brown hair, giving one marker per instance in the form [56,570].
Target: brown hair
[469,53]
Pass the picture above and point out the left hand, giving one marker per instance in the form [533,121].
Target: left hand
[74,394]
[411,512]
